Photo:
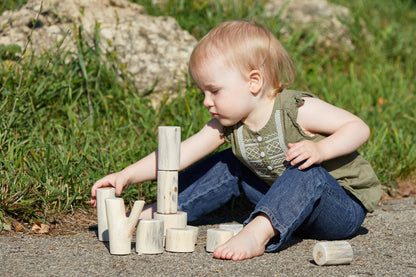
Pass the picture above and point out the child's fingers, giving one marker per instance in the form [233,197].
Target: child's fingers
[295,153]
[299,158]
[99,184]
[306,164]
[93,202]
[119,189]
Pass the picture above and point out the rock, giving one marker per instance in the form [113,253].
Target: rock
[309,14]
[154,49]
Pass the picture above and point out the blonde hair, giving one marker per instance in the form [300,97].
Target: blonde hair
[247,46]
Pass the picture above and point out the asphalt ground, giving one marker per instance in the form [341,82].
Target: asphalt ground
[385,246]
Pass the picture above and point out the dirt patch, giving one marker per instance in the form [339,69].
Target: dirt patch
[76,222]
[402,189]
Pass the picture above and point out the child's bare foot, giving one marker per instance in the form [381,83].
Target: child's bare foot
[249,242]
[148,211]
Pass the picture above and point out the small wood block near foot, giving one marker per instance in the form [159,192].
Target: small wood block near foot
[217,237]
[177,220]
[332,253]
[232,227]
[149,236]
[180,240]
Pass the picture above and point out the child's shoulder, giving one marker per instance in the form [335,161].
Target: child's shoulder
[289,99]
[290,93]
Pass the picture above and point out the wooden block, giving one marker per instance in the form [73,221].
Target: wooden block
[120,227]
[149,236]
[169,142]
[180,240]
[102,194]
[167,192]
[231,227]
[177,220]
[196,232]
[332,253]
[217,237]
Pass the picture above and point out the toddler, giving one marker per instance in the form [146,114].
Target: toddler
[293,155]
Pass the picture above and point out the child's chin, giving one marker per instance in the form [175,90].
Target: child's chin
[226,123]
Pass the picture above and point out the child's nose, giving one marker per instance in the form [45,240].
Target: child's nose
[208,101]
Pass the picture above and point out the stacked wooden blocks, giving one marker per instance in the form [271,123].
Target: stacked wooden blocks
[177,236]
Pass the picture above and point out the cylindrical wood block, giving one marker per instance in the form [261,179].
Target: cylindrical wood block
[167,192]
[231,227]
[332,253]
[196,232]
[149,236]
[180,240]
[177,220]
[217,237]
[102,194]
[169,142]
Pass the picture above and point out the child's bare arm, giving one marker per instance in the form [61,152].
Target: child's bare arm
[346,131]
[193,149]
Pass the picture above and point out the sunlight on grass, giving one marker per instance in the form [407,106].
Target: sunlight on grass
[69,118]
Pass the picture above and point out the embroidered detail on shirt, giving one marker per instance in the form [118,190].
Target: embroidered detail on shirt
[265,154]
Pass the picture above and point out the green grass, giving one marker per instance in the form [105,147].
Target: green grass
[11,4]
[69,118]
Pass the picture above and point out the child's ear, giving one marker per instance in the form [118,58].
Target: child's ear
[255,81]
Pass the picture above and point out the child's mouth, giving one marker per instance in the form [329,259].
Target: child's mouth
[215,115]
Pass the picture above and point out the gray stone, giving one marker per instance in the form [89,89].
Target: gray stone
[325,18]
[154,49]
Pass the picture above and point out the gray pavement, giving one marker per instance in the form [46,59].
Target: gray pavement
[385,246]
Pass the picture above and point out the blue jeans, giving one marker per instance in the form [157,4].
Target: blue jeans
[310,202]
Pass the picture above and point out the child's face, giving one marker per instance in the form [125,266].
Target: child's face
[226,90]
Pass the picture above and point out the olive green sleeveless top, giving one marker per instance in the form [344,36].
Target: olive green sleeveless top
[264,151]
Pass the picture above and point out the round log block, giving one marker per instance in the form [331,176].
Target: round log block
[149,236]
[196,232]
[102,194]
[217,237]
[169,142]
[332,253]
[232,227]
[177,220]
[167,192]
[180,240]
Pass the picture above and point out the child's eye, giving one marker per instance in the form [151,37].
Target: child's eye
[214,90]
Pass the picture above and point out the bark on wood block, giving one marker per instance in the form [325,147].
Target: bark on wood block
[232,227]
[169,142]
[177,220]
[149,236]
[102,194]
[167,192]
[332,253]
[180,240]
[217,237]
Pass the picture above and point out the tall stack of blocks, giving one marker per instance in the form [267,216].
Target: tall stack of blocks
[177,236]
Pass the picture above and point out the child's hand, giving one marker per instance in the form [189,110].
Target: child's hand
[116,180]
[305,150]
